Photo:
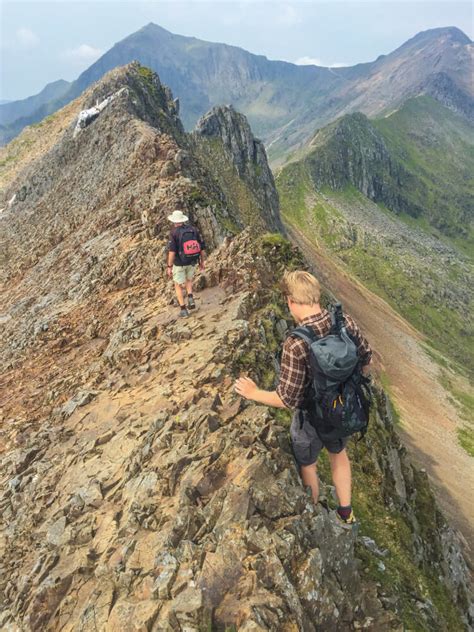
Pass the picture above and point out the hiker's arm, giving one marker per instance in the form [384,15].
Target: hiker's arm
[171,258]
[202,243]
[247,388]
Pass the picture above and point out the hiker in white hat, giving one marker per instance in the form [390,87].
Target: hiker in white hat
[186,249]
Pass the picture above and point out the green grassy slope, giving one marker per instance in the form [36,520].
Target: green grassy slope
[427,287]
[437,147]
[419,161]
[413,247]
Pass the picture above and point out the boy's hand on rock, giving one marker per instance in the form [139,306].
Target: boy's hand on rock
[246,387]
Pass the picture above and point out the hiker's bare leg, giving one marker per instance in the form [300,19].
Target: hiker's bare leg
[179,293]
[341,476]
[189,286]
[309,474]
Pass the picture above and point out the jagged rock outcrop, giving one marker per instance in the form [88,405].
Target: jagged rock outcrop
[138,492]
[248,155]
[416,161]
[355,153]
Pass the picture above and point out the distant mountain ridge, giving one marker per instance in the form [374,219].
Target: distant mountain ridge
[284,102]
[400,162]
[13,110]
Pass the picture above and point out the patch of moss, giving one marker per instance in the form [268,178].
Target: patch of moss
[7,160]
[198,197]
[283,416]
[385,382]
[147,74]
[281,252]
[466,439]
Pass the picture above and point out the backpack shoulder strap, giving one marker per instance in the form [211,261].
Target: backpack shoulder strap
[337,319]
[181,232]
[305,333]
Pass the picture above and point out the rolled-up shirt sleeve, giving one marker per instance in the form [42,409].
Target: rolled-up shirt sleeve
[293,373]
[363,348]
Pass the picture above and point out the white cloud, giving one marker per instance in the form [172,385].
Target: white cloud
[315,61]
[26,38]
[82,54]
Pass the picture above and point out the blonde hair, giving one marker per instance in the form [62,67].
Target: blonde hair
[301,287]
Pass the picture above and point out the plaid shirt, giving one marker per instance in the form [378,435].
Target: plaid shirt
[295,372]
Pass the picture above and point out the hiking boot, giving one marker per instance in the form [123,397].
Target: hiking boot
[347,523]
[183,313]
[191,303]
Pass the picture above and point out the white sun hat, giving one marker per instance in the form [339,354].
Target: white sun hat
[177,217]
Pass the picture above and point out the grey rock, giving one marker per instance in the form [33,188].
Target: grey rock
[81,399]
[56,532]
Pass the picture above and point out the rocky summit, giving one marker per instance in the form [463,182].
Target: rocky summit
[138,491]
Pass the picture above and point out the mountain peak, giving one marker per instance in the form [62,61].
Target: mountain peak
[450,33]
[156,28]
[150,31]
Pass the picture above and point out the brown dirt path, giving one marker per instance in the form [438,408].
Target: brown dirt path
[429,420]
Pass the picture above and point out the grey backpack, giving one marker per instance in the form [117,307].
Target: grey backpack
[338,399]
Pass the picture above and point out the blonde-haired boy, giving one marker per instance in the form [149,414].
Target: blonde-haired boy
[302,292]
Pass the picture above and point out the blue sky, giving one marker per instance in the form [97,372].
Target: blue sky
[45,41]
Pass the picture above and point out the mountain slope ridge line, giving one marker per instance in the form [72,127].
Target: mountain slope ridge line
[218,73]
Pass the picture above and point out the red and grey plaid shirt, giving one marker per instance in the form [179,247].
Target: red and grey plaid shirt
[295,373]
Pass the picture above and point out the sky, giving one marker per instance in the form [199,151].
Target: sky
[45,41]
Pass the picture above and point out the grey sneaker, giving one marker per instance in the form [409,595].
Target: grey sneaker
[183,313]
[191,303]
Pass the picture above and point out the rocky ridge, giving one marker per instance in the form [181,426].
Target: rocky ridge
[248,156]
[137,491]
[154,495]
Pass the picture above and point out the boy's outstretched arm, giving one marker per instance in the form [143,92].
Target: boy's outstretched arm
[247,388]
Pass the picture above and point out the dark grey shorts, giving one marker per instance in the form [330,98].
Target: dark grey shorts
[306,443]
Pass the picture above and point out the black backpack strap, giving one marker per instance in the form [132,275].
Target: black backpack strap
[182,230]
[308,335]
[337,319]
[305,333]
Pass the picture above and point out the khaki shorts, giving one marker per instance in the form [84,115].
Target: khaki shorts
[181,274]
